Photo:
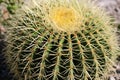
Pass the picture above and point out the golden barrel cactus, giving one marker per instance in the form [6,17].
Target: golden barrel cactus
[60,40]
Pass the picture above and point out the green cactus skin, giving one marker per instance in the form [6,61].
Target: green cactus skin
[43,46]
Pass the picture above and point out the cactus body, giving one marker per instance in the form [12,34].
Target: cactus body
[60,40]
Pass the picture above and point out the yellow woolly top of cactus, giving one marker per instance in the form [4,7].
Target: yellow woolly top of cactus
[65,18]
[67,15]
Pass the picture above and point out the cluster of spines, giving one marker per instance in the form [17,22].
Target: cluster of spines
[47,56]
[38,52]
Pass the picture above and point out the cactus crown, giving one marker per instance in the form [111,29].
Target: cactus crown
[65,18]
[60,40]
